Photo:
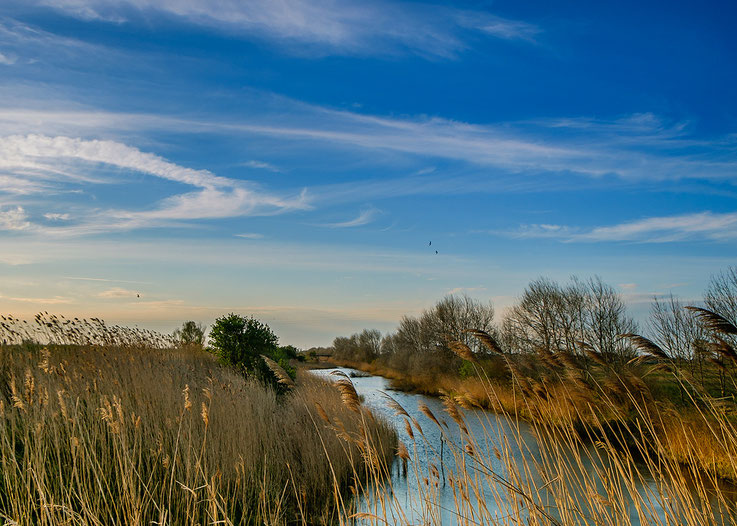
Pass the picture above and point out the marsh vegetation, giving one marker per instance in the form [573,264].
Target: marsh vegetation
[563,413]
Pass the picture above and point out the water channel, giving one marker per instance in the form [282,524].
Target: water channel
[409,493]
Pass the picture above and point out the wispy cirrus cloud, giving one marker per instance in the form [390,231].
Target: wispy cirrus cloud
[261,165]
[55,216]
[33,161]
[708,225]
[119,293]
[104,280]
[23,44]
[638,147]
[56,300]
[7,60]
[703,226]
[320,27]
[364,218]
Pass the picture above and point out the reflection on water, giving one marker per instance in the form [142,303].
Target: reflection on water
[436,462]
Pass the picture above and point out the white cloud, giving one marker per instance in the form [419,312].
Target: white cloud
[57,217]
[105,280]
[7,60]
[465,290]
[250,235]
[321,26]
[56,300]
[25,44]
[363,218]
[636,147]
[118,293]
[261,166]
[36,156]
[17,150]
[14,219]
[704,226]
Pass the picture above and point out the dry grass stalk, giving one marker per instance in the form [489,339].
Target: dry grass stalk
[714,321]
[396,406]
[487,340]
[347,392]
[462,350]
[281,375]
[646,345]
[452,409]
[422,406]
[592,353]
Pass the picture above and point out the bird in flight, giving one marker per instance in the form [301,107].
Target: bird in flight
[429,244]
[436,251]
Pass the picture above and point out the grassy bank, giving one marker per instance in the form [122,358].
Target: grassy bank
[139,435]
[649,409]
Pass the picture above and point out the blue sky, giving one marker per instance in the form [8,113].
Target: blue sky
[164,160]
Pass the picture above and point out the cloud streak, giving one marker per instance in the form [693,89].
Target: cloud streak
[118,293]
[31,158]
[639,147]
[701,226]
[364,218]
[7,60]
[320,27]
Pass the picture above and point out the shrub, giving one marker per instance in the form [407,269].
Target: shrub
[190,334]
[240,342]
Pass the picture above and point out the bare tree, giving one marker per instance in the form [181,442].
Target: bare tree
[535,323]
[606,319]
[721,294]
[675,329]
[550,318]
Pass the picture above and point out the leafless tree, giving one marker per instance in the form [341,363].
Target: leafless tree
[675,329]
[721,294]
[552,318]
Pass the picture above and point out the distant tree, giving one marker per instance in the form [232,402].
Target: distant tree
[721,294]
[289,352]
[190,334]
[241,341]
[420,344]
[554,318]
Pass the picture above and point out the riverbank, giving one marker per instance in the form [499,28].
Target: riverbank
[494,460]
[699,434]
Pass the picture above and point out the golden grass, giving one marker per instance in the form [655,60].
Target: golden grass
[700,433]
[609,472]
[105,435]
[138,435]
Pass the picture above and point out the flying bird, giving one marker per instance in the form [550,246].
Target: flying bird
[429,244]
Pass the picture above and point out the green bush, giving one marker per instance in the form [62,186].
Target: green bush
[240,342]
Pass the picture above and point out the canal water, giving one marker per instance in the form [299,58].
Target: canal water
[426,492]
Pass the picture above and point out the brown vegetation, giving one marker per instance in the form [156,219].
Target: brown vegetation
[569,356]
[137,435]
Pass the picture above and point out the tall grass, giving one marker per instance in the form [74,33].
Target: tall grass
[618,469]
[134,434]
[612,445]
[139,435]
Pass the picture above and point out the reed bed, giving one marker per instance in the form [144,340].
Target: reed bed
[616,470]
[141,435]
[646,442]
[134,434]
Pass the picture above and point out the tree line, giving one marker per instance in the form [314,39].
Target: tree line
[581,320]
